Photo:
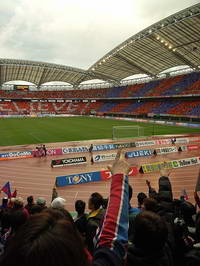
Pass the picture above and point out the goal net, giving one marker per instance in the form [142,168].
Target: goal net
[122,132]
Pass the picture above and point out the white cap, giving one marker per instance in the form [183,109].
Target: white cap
[58,203]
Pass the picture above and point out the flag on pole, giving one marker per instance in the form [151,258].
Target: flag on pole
[6,190]
[14,194]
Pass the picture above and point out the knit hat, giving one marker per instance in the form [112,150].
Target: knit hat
[41,201]
[58,203]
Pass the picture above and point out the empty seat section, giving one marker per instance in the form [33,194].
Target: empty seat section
[130,91]
[106,107]
[164,107]
[163,86]
[132,107]
[114,92]
[143,91]
[182,85]
[147,107]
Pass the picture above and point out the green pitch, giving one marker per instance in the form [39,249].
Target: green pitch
[17,131]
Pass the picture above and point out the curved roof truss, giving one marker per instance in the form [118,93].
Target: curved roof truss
[170,42]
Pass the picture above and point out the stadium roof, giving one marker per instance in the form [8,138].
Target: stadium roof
[173,41]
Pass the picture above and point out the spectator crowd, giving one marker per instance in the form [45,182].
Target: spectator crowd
[160,230]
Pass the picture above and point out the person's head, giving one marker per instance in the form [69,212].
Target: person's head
[80,207]
[58,202]
[46,239]
[150,232]
[188,210]
[140,197]
[95,201]
[150,204]
[17,219]
[41,202]
[18,203]
[4,202]
[30,200]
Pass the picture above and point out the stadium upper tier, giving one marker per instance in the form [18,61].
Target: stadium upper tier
[171,42]
[188,84]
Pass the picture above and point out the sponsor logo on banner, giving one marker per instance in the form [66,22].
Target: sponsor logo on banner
[166,150]
[185,162]
[104,157]
[145,143]
[51,152]
[140,153]
[78,179]
[163,141]
[124,145]
[106,174]
[16,155]
[68,161]
[193,147]
[182,140]
[147,168]
[75,149]
[104,147]
[154,167]
[115,146]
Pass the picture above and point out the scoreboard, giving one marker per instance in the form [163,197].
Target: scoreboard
[21,87]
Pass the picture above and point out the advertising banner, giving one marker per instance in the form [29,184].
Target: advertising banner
[193,147]
[68,150]
[104,157]
[145,143]
[16,155]
[163,141]
[139,153]
[185,162]
[77,179]
[154,167]
[51,152]
[166,150]
[88,177]
[182,140]
[68,161]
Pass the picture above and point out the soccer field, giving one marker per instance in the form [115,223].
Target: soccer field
[18,131]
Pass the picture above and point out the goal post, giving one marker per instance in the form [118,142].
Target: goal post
[123,132]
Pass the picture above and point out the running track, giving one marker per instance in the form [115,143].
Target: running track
[35,176]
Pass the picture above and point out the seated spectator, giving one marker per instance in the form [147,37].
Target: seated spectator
[150,204]
[41,202]
[141,197]
[18,204]
[81,219]
[58,203]
[132,214]
[94,218]
[150,241]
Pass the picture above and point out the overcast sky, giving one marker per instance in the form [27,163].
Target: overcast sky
[75,32]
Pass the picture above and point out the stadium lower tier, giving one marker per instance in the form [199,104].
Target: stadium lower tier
[130,107]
